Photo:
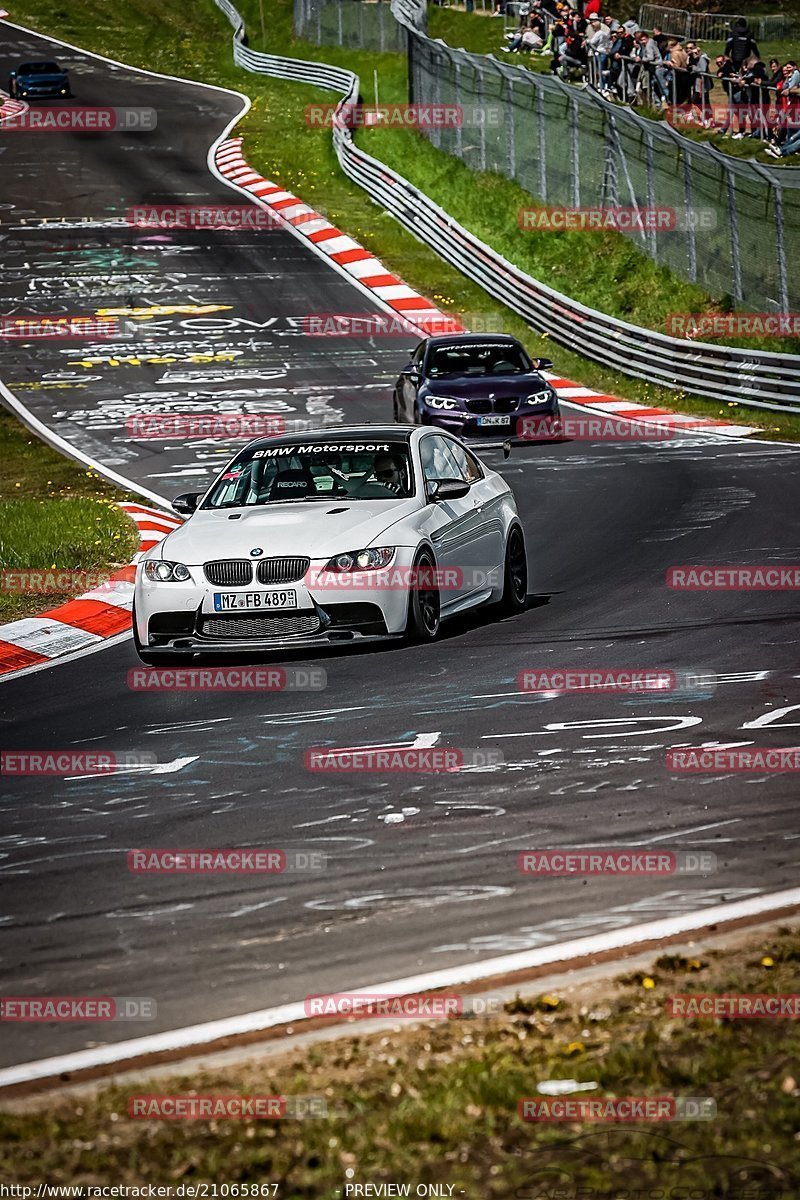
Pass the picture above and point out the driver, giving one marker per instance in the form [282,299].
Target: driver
[388,471]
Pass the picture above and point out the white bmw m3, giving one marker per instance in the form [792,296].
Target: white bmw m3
[369,532]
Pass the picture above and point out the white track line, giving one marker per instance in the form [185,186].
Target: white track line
[200,1035]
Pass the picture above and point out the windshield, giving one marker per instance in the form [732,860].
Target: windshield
[478,359]
[40,68]
[309,472]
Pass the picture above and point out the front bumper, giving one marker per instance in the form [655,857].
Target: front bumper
[466,424]
[44,92]
[180,617]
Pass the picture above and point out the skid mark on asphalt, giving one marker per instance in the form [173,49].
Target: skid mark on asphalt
[528,937]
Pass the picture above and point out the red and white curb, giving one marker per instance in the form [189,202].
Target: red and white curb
[89,620]
[627,410]
[371,274]
[342,250]
[10,108]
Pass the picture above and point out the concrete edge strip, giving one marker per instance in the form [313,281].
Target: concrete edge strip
[172,1043]
[90,619]
[370,274]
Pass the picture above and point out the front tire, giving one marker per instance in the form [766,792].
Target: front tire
[515,574]
[424,602]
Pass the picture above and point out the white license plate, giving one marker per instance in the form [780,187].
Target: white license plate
[227,601]
[494,420]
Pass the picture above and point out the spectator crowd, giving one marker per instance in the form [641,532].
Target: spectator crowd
[628,64]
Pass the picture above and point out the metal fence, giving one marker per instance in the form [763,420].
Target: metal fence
[358,24]
[712,27]
[757,378]
[571,147]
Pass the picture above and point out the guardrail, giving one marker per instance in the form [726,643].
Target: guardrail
[756,378]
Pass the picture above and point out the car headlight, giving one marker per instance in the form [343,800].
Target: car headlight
[539,397]
[163,571]
[442,401]
[361,560]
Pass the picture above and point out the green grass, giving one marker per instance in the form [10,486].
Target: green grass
[605,269]
[438,1103]
[54,513]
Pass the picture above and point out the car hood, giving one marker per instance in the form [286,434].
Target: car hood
[315,529]
[480,387]
[37,77]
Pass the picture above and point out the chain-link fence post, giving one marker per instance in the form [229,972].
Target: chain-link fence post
[511,149]
[780,245]
[651,190]
[733,221]
[459,102]
[480,114]
[542,144]
[575,153]
[691,232]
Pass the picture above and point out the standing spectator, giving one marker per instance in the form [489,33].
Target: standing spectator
[618,82]
[740,46]
[649,55]
[674,75]
[598,46]
[702,83]
[660,39]
[754,84]
[729,80]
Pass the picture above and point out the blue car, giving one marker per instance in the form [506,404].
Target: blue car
[476,385]
[39,81]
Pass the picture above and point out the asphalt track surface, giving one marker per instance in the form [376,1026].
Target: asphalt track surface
[421,870]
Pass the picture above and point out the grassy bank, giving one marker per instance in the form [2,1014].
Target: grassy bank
[439,1103]
[593,267]
[54,514]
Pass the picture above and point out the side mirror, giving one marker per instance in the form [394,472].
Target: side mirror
[447,489]
[544,364]
[187,503]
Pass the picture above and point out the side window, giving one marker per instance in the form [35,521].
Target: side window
[418,355]
[468,466]
[437,461]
